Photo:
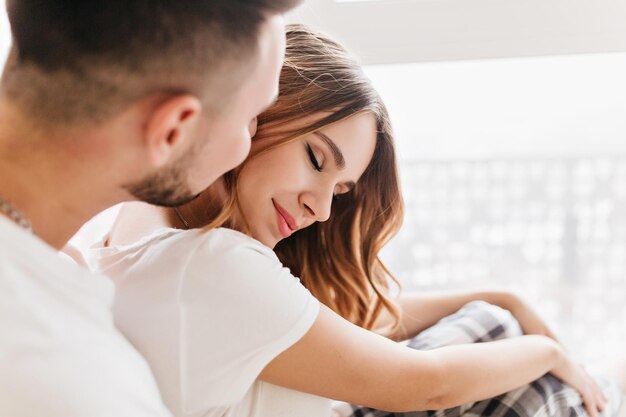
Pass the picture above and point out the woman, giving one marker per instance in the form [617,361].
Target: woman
[228,331]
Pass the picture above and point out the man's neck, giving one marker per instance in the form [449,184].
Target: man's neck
[55,204]
[50,186]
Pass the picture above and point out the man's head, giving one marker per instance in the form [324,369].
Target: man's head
[191,73]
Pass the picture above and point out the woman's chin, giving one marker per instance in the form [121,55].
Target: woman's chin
[269,241]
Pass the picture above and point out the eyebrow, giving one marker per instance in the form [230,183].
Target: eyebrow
[340,162]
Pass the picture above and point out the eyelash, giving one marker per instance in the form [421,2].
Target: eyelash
[316,165]
[313,159]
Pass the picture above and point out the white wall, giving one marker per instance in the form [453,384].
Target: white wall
[568,105]
[392,31]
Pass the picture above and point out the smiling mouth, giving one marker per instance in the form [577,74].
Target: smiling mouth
[286,223]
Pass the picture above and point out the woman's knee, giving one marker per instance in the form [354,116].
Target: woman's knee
[477,321]
[496,322]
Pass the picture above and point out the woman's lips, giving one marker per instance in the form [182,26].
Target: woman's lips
[286,223]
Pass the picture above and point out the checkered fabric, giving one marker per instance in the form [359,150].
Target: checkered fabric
[482,322]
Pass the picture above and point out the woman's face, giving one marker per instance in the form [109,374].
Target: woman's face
[291,186]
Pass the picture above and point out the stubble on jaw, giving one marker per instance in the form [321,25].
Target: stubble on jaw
[168,187]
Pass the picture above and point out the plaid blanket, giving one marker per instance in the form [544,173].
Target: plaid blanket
[482,322]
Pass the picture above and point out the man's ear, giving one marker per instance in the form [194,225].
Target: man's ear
[167,127]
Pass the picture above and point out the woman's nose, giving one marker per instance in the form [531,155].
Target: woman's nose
[319,204]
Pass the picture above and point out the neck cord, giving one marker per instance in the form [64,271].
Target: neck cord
[181,218]
[13,214]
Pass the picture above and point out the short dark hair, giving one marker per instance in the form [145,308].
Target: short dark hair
[77,59]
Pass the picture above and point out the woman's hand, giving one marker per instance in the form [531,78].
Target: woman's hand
[576,376]
[527,317]
[568,371]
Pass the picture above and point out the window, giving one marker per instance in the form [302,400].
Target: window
[514,175]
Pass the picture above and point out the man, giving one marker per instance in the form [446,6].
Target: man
[102,102]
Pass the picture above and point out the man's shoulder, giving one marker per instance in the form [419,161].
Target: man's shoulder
[15,241]
[61,353]
[39,272]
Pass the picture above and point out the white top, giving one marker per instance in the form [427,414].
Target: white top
[60,355]
[209,310]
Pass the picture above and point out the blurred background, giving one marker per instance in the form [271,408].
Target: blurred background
[511,133]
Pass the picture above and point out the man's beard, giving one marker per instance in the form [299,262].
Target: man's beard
[167,187]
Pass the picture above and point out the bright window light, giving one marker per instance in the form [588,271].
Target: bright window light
[559,105]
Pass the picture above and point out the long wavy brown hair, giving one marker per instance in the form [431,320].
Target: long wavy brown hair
[337,260]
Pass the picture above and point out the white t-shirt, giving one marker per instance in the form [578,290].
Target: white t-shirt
[60,354]
[209,310]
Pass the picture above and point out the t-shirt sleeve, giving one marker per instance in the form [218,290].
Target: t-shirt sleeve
[240,308]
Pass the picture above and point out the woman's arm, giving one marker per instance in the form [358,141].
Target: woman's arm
[339,360]
[420,311]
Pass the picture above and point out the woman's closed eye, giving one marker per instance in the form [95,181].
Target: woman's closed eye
[314,161]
